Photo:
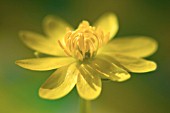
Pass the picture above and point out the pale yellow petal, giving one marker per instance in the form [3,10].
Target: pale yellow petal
[41,44]
[55,27]
[109,69]
[88,84]
[133,64]
[60,83]
[42,64]
[108,23]
[131,46]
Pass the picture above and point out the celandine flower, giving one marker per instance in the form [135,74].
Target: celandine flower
[85,55]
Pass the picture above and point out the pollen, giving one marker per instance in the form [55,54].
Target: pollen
[84,42]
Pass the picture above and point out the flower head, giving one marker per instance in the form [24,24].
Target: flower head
[85,55]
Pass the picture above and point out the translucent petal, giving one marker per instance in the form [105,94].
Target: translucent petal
[88,84]
[41,44]
[55,27]
[133,64]
[108,23]
[131,46]
[60,83]
[42,64]
[109,69]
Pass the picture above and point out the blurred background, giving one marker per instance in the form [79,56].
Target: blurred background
[143,93]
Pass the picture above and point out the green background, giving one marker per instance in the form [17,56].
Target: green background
[143,93]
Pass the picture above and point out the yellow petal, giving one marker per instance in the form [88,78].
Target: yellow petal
[42,64]
[109,69]
[60,83]
[108,23]
[41,44]
[131,46]
[55,27]
[88,84]
[133,64]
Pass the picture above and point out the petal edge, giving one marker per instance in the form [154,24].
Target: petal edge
[60,83]
[108,22]
[43,64]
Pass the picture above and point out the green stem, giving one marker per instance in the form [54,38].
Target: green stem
[85,106]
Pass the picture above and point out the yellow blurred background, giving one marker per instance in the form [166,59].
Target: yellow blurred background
[143,93]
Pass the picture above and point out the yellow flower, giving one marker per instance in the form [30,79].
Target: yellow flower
[85,55]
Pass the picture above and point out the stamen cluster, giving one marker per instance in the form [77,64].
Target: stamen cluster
[83,42]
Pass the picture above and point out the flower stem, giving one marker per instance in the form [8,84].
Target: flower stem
[85,106]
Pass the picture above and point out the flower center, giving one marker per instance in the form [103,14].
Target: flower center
[84,42]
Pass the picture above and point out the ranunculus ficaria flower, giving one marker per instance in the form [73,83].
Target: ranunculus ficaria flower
[85,55]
